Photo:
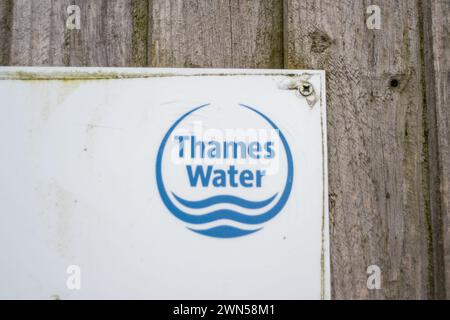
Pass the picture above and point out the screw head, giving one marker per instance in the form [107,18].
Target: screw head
[305,88]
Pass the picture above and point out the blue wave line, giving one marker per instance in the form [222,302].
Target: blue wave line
[200,204]
[224,232]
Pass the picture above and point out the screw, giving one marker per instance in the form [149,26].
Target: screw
[305,89]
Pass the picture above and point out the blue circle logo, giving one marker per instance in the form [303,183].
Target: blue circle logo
[230,201]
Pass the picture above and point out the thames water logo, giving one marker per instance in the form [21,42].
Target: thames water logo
[224,171]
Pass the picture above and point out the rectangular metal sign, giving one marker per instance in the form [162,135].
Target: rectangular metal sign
[163,184]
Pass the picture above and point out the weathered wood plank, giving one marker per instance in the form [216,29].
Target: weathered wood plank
[437,63]
[105,39]
[216,34]
[110,34]
[377,175]
[31,33]
[140,36]
[5,30]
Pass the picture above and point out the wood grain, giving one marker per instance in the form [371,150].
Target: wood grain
[5,30]
[377,171]
[105,37]
[223,33]
[108,35]
[437,66]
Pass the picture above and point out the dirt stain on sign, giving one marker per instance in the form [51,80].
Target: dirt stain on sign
[59,209]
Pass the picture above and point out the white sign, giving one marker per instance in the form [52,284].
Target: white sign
[163,184]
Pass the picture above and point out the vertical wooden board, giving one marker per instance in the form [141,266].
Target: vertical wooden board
[139,40]
[105,36]
[5,31]
[225,33]
[377,172]
[437,62]
[31,33]
[108,35]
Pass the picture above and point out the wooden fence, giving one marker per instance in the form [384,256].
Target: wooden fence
[387,95]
